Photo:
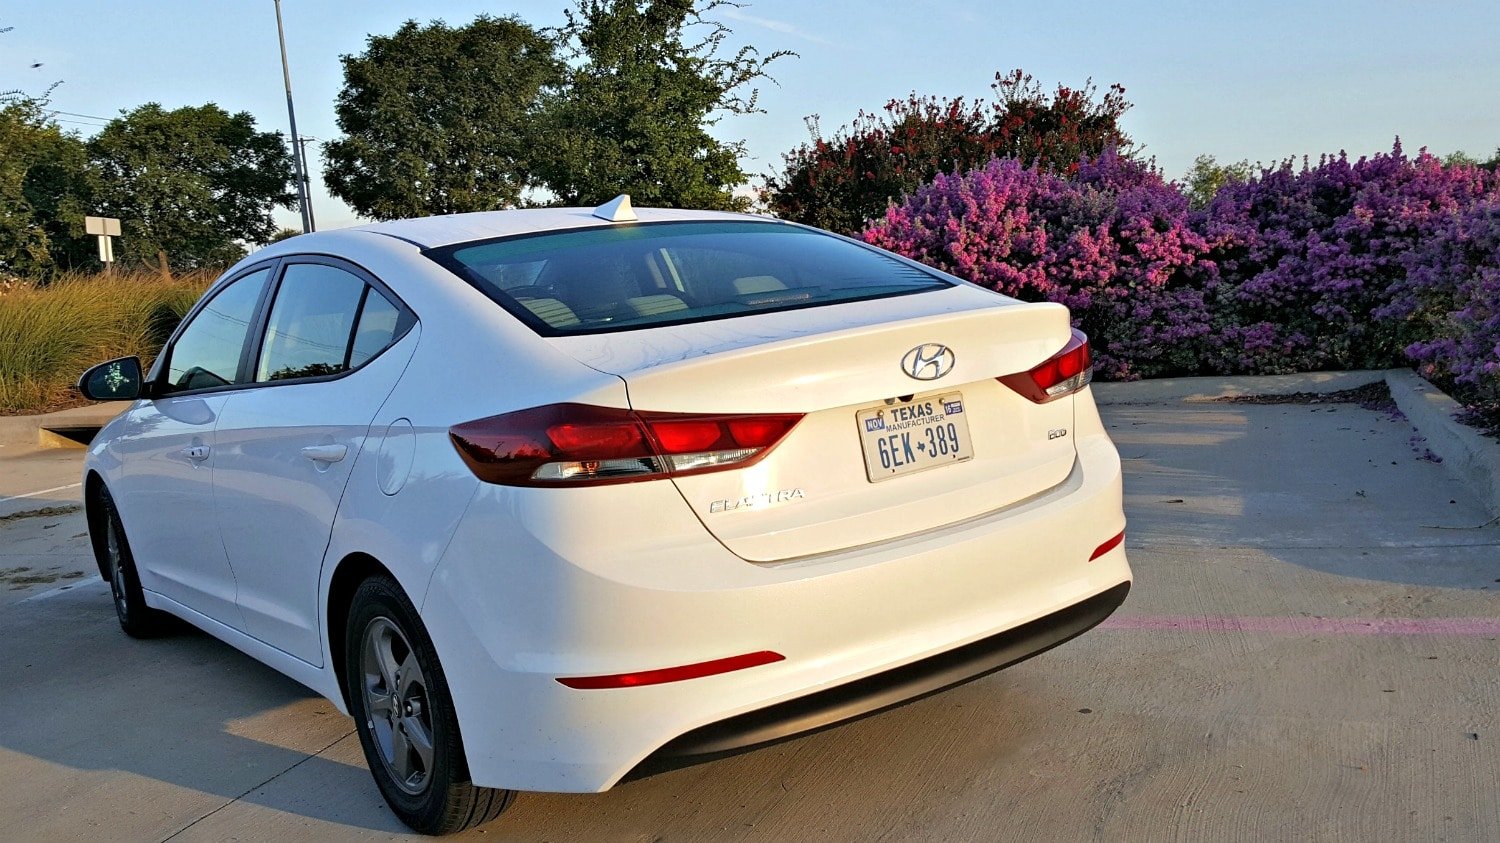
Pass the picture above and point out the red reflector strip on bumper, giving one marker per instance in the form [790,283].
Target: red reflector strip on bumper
[672,674]
[1108,546]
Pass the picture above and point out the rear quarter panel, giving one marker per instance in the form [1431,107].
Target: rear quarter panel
[409,488]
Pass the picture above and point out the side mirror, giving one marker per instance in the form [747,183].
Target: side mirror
[117,380]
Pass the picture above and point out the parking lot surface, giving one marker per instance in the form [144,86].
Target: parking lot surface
[1311,651]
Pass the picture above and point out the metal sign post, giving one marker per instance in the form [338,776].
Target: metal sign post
[106,228]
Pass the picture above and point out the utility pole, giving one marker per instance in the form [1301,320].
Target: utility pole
[307,180]
[303,200]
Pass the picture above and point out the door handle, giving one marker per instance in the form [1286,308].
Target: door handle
[325,453]
[197,453]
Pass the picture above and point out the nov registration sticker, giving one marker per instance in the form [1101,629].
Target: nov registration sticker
[914,436]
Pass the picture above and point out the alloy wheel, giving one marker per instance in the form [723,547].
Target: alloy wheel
[397,710]
[117,581]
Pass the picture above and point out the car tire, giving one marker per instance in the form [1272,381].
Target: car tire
[404,714]
[118,567]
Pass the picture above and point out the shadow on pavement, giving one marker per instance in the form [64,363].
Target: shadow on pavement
[184,710]
[1334,488]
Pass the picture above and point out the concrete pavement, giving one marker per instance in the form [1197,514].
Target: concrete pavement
[1312,651]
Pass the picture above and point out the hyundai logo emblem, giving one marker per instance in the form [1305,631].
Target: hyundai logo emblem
[928,361]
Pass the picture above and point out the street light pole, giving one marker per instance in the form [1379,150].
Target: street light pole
[303,200]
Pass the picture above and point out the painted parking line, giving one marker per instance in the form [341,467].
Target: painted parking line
[1481,627]
[42,492]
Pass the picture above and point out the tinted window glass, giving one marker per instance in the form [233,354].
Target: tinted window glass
[378,323]
[311,320]
[637,276]
[207,353]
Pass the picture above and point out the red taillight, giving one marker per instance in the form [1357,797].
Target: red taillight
[672,674]
[1064,373]
[573,444]
[687,436]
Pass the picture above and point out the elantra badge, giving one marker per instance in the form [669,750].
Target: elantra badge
[928,361]
[758,500]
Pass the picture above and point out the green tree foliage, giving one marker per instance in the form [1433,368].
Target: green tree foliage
[44,188]
[1207,175]
[1461,158]
[840,181]
[646,81]
[439,119]
[188,184]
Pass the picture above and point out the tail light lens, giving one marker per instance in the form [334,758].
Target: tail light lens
[580,444]
[1064,373]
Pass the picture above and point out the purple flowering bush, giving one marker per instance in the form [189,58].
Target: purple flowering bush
[1364,263]
[1449,305]
[1307,256]
[1112,242]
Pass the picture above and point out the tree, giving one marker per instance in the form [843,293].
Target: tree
[841,181]
[1459,158]
[191,183]
[439,119]
[43,186]
[1207,175]
[633,113]
[43,192]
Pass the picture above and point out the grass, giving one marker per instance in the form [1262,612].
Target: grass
[50,334]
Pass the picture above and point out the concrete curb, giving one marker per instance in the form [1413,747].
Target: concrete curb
[1472,456]
[1207,389]
[35,430]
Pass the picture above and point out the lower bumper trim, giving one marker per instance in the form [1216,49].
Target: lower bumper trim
[873,694]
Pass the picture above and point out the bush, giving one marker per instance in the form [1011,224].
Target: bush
[1346,264]
[1112,243]
[839,182]
[1307,256]
[1450,300]
[49,335]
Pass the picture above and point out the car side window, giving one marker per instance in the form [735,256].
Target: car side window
[380,323]
[311,323]
[207,352]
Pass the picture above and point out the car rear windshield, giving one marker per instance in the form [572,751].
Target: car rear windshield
[625,277]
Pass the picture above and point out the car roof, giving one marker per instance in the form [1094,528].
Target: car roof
[432,232]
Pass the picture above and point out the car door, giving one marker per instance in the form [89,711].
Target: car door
[330,353]
[166,447]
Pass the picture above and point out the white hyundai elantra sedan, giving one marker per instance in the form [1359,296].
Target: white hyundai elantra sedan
[550,499]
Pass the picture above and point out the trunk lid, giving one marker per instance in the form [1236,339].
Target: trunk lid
[857,468]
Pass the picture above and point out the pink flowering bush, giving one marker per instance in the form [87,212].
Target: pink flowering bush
[1112,242]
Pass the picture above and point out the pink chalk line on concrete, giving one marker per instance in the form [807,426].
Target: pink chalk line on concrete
[1308,626]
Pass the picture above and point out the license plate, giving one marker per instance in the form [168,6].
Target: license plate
[914,436]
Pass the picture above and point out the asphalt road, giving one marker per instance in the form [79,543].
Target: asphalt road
[1310,653]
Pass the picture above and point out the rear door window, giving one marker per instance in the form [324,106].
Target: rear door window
[379,325]
[325,321]
[311,323]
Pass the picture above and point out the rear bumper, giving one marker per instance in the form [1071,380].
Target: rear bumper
[875,694]
[525,595]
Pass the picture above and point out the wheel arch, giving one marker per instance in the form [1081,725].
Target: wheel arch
[352,570]
[93,512]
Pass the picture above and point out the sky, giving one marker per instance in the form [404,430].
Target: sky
[1259,81]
